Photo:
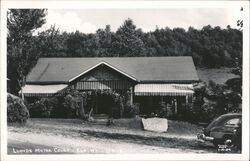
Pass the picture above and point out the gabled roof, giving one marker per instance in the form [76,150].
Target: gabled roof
[102,63]
[143,69]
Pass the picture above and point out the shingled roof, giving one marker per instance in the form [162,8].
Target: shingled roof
[143,69]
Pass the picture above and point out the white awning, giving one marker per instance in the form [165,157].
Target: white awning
[163,89]
[42,90]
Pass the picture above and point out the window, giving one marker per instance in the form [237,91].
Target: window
[233,122]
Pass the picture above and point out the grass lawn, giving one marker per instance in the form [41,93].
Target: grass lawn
[50,136]
[220,75]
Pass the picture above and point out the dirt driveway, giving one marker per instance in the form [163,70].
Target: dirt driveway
[55,136]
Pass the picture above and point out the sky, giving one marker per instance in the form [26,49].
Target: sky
[89,20]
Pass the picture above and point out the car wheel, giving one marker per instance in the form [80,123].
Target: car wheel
[228,141]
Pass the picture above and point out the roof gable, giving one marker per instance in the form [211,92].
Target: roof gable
[144,69]
[99,64]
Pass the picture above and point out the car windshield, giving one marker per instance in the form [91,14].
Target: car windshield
[233,122]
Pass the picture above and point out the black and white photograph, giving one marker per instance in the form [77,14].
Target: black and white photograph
[104,79]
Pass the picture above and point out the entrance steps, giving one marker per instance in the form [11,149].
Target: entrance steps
[100,119]
[100,116]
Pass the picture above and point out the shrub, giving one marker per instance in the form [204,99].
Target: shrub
[131,110]
[43,107]
[208,111]
[75,103]
[163,110]
[118,105]
[189,113]
[205,103]
[213,100]
[16,110]
[72,106]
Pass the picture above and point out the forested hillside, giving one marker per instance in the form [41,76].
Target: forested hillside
[210,46]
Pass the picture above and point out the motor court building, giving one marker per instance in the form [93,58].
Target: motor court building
[149,80]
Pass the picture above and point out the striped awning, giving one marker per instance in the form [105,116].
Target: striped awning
[163,89]
[102,85]
[42,90]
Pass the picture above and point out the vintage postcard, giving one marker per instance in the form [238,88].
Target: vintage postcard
[123,80]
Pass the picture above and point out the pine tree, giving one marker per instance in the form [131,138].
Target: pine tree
[128,42]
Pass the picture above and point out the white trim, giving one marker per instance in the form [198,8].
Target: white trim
[103,62]
[163,89]
[43,89]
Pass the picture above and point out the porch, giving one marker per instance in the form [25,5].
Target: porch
[151,99]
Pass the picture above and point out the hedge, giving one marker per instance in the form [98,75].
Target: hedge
[16,110]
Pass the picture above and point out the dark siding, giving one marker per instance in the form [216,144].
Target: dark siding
[103,77]
[111,84]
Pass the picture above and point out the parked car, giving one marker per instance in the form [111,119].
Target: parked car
[224,130]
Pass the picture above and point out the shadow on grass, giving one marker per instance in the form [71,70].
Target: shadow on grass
[180,143]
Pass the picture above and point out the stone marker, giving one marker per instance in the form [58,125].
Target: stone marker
[155,124]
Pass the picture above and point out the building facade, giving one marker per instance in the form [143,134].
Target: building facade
[149,80]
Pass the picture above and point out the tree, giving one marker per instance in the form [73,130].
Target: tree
[51,42]
[153,48]
[21,51]
[235,84]
[104,41]
[76,44]
[127,41]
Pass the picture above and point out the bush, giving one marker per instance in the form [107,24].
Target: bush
[234,102]
[16,110]
[208,111]
[75,103]
[213,100]
[205,105]
[72,106]
[163,110]
[43,107]
[131,110]
[118,105]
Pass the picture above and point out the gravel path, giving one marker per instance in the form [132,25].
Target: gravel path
[53,137]
[72,145]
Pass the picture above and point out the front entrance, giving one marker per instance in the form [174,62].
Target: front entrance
[103,104]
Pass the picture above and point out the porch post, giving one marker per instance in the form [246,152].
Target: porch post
[175,105]
[131,95]
[186,99]
[22,95]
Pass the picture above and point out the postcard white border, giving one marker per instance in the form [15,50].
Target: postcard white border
[127,5]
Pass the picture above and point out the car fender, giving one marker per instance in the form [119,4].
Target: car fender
[220,132]
[217,134]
